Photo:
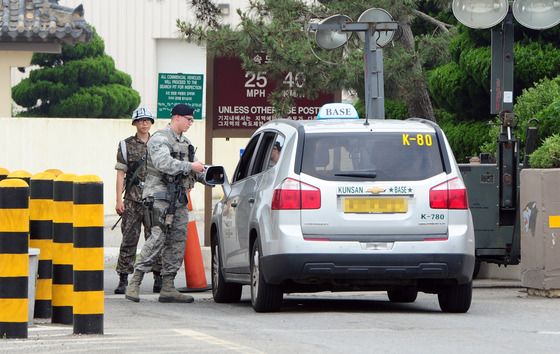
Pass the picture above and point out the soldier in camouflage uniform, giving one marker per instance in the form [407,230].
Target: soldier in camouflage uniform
[131,172]
[172,167]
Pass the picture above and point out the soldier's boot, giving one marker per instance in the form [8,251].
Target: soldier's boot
[157,282]
[169,293]
[133,288]
[123,282]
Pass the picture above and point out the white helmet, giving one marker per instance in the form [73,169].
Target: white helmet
[142,112]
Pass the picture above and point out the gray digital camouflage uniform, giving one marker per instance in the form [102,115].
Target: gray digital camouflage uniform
[161,146]
[135,214]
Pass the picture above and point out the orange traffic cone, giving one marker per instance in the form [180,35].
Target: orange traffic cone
[194,266]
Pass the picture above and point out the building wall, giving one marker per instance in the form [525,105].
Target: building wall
[89,146]
[8,59]
[142,38]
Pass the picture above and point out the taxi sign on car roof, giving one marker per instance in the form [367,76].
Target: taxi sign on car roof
[337,111]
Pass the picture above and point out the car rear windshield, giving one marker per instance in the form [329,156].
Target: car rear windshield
[382,156]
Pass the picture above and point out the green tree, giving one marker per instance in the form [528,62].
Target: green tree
[278,28]
[82,81]
[462,86]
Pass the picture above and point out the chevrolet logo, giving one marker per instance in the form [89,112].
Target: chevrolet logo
[375,190]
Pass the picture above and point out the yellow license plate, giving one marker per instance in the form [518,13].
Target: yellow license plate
[375,205]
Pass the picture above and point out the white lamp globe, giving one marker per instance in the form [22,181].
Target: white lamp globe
[537,14]
[377,15]
[480,13]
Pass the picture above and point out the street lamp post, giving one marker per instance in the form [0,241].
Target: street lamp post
[376,28]
[501,84]
[499,16]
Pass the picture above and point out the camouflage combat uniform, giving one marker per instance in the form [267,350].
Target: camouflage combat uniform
[162,145]
[135,214]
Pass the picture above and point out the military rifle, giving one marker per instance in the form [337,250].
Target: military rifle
[174,190]
[131,179]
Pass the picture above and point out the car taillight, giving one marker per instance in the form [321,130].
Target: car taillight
[294,194]
[449,195]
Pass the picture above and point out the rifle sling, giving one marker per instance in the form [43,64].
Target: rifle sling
[134,177]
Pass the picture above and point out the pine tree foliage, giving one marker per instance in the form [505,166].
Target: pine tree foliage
[82,81]
[433,60]
[279,29]
[466,78]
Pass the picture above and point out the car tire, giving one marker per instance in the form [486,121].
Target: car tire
[402,294]
[456,298]
[265,297]
[476,270]
[222,291]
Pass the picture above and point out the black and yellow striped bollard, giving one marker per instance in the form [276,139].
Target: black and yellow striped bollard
[55,171]
[14,258]
[40,235]
[3,173]
[20,174]
[63,246]
[88,255]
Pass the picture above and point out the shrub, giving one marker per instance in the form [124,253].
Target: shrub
[491,143]
[396,109]
[549,120]
[476,62]
[535,60]
[94,48]
[453,90]
[538,102]
[393,109]
[446,85]
[465,137]
[548,155]
[89,106]
[463,86]
[97,102]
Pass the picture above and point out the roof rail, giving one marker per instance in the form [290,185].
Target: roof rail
[424,120]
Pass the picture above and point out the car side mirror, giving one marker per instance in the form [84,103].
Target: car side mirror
[214,175]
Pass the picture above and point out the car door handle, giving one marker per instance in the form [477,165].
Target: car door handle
[234,204]
[251,200]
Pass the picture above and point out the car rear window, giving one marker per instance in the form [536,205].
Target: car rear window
[381,156]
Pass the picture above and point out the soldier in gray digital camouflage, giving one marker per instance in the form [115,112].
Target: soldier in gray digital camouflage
[172,170]
[131,172]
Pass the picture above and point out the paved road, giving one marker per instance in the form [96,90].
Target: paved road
[502,319]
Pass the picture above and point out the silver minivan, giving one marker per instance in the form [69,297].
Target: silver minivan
[344,205]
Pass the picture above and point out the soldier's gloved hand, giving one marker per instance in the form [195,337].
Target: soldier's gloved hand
[197,167]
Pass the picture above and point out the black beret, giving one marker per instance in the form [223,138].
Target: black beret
[182,110]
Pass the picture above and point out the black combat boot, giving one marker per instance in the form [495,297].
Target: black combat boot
[123,282]
[157,282]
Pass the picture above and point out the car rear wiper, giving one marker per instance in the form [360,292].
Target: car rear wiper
[360,174]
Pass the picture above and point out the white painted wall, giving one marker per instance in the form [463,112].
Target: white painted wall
[9,60]
[142,37]
[89,146]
